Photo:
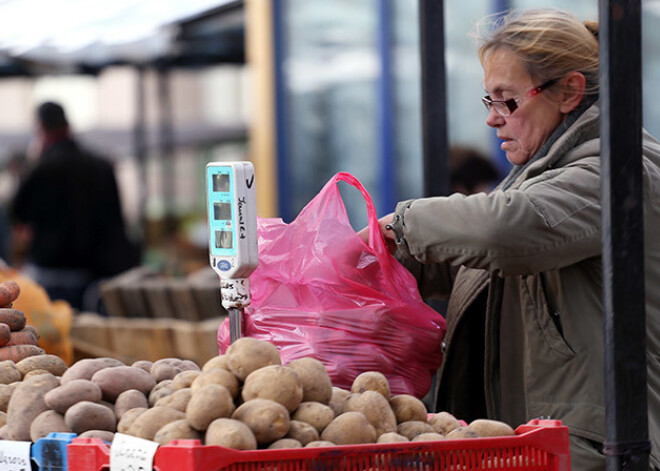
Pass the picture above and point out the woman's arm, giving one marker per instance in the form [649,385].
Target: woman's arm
[552,221]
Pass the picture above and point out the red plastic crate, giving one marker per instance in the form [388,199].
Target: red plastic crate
[538,446]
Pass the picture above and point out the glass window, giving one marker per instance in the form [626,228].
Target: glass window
[330,74]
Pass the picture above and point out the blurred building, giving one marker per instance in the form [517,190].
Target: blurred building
[316,87]
[335,59]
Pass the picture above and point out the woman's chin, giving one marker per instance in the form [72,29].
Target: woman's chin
[517,158]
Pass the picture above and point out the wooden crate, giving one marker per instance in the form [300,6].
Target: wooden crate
[142,293]
[130,340]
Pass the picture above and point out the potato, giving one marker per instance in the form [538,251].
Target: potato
[73,392]
[284,443]
[302,432]
[217,376]
[316,383]
[230,433]
[168,368]
[443,422]
[246,355]
[128,400]
[275,382]
[412,428]
[89,416]
[216,362]
[189,365]
[184,379]
[85,369]
[461,433]
[428,437]
[350,428]
[375,408]
[391,437]
[115,380]
[27,403]
[46,422]
[177,430]
[207,404]
[36,372]
[9,373]
[143,365]
[179,400]
[371,381]
[109,405]
[162,370]
[149,422]
[3,420]
[128,418]
[339,395]
[491,428]
[162,389]
[315,414]
[319,444]
[51,363]
[104,435]
[6,390]
[268,420]
[407,408]
[4,432]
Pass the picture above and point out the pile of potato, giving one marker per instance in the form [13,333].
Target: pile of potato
[17,340]
[244,400]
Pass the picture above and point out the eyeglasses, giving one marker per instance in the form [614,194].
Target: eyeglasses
[506,107]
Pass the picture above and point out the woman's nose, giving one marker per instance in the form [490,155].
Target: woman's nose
[494,119]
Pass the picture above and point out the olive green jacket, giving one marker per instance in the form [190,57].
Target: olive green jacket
[521,268]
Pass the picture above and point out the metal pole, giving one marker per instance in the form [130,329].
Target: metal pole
[282,118]
[166,149]
[434,98]
[388,197]
[627,446]
[140,148]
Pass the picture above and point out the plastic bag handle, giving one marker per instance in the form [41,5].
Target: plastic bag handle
[376,237]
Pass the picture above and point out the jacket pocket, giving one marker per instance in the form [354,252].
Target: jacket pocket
[547,317]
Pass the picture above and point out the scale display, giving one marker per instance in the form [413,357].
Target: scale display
[221,217]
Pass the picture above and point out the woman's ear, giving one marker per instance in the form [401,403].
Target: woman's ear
[572,92]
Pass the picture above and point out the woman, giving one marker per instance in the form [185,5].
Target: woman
[521,266]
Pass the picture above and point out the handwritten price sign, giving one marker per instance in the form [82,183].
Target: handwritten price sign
[14,456]
[131,453]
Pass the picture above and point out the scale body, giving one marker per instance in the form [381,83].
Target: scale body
[233,247]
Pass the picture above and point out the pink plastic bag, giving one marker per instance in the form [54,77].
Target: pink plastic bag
[319,291]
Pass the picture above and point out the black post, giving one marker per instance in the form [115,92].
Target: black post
[627,444]
[140,148]
[434,98]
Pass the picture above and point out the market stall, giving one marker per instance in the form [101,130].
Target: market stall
[172,406]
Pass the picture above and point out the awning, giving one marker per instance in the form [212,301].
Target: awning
[78,36]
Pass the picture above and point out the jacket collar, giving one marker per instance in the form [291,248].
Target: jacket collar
[580,126]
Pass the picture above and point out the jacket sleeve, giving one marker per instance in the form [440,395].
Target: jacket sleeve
[551,221]
[434,280]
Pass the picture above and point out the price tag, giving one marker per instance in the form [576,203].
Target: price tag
[129,453]
[14,456]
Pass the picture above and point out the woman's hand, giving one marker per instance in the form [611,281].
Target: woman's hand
[389,234]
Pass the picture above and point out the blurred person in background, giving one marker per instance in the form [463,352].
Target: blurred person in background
[470,171]
[67,215]
[9,178]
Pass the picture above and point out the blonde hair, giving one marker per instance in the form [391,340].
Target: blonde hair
[550,43]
